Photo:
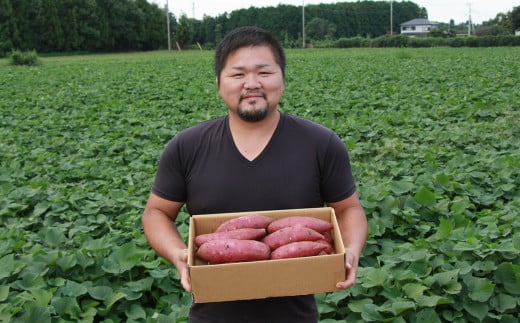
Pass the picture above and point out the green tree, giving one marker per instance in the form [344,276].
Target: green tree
[153,24]
[48,27]
[218,33]
[184,32]
[515,18]
[70,25]
[320,29]
[8,28]
[500,25]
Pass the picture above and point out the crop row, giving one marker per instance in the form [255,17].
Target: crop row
[433,140]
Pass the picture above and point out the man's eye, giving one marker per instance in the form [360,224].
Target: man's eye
[238,75]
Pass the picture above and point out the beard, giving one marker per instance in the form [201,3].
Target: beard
[254,113]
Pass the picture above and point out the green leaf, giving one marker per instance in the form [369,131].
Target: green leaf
[42,297]
[453,287]
[100,293]
[479,289]
[471,244]
[397,306]
[336,297]
[476,309]
[53,236]
[9,265]
[446,277]
[4,292]
[400,187]
[508,274]
[414,255]
[121,260]
[141,285]
[459,205]
[40,208]
[427,315]
[74,289]
[112,299]
[413,290]
[425,197]
[371,314]
[504,302]
[67,262]
[372,277]
[136,312]
[357,305]
[444,230]
[98,244]
[67,305]
[444,181]
[431,301]
[32,280]
[37,314]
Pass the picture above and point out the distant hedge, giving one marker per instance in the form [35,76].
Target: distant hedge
[417,42]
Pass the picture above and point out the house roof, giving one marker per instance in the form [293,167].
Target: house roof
[419,22]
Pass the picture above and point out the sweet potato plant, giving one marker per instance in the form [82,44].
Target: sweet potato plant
[434,141]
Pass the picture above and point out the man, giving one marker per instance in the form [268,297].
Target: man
[254,158]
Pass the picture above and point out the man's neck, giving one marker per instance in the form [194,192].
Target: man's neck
[252,137]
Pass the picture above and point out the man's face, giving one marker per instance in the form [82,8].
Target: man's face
[251,83]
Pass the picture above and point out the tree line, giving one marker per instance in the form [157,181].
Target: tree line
[135,25]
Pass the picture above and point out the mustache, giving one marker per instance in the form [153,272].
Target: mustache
[253,92]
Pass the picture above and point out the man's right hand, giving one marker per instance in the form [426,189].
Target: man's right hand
[181,263]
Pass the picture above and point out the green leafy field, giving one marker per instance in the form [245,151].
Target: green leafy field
[434,138]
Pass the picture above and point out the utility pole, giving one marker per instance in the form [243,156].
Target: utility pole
[391,17]
[168,26]
[303,23]
[469,22]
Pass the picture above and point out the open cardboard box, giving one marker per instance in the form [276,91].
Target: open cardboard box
[267,278]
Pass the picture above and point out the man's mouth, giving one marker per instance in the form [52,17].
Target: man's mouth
[252,95]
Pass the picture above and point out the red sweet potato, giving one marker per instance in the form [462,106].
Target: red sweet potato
[305,221]
[298,249]
[327,236]
[329,248]
[291,234]
[233,250]
[255,221]
[241,234]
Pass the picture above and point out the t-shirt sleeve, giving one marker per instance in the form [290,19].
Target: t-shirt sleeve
[337,179]
[169,180]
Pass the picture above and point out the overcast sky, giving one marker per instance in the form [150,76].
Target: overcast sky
[438,10]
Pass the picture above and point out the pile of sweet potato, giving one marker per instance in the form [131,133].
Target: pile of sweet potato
[259,237]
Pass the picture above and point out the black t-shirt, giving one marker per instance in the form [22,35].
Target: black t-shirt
[304,165]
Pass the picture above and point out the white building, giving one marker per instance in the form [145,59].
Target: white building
[418,27]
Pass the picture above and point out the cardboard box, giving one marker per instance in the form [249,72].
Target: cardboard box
[269,278]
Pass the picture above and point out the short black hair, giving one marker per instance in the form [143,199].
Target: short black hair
[243,37]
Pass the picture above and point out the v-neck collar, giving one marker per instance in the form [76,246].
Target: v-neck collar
[266,148]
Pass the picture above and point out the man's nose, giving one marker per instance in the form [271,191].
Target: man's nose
[251,81]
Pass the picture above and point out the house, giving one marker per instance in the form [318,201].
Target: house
[517,32]
[419,27]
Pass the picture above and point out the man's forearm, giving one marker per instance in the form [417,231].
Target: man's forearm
[354,229]
[162,235]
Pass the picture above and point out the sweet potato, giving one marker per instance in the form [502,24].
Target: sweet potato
[233,250]
[291,234]
[255,221]
[241,234]
[327,236]
[298,249]
[329,248]
[305,221]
